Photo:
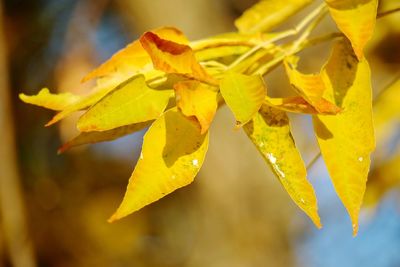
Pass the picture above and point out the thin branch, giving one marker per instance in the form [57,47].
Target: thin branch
[388,12]
[282,35]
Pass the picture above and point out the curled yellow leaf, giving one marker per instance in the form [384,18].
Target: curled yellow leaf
[197,99]
[133,59]
[172,154]
[50,101]
[172,57]
[356,19]
[309,86]
[269,130]
[347,139]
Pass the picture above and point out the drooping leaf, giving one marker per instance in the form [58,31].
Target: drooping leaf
[347,139]
[356,19]
[50,101]
[172,57]
[310,86]
[133,59]
[197,99]
[243,94]
[267,14]
[269,130]
[96,137]
[172,154]
[131,102]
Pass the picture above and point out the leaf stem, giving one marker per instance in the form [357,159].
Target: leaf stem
[282,35]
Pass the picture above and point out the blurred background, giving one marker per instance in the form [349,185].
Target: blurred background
[54,208]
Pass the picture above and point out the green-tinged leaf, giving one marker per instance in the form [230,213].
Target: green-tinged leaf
[129,103]
[103,87]
[356,19]
[172,57]
[269,130]
[243,94]
[50,101]
[172,154]
[347,139]
[309,86]
[96,137]
[197,99]
[267,14]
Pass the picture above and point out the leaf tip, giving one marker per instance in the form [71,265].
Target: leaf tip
[355,229]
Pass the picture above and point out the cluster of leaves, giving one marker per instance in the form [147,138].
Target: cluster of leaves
[175,86]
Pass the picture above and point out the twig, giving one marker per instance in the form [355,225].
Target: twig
[388,12]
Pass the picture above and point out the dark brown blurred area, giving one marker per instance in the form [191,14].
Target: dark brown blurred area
[235,214]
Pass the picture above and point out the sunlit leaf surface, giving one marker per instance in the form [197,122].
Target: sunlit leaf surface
[133,59]
[356,19]
[50,101]
[197,99]
[310,86]
[270,132]
[243,94]
[267,14]
[172,57]
[131,102]
[347,139]
[172,154]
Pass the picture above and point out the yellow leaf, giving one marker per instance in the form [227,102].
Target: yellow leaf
[96,137]
[295,104]
[172,57]
[133,59]
[172,154]
[131,102]
[267,14]
[243,94]
[197,99]
[347,139]
[83,103]
[356,19]
[270,132]
[310,86]
[50,101]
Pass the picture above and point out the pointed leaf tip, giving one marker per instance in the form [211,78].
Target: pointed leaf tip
[347,139]
[172,154]
[269,130]
[356,19]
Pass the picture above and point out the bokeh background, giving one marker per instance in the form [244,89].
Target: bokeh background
[54,208]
